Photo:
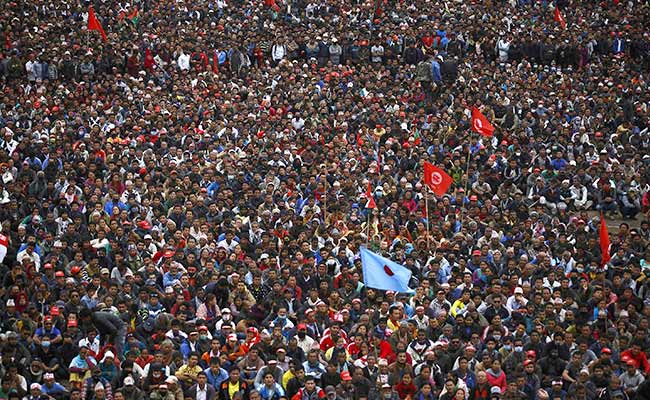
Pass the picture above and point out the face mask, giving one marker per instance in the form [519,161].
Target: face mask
[497,337]
[226,317]
[519,349]
[203,337]
[507,347]
[302,335]
[282,317]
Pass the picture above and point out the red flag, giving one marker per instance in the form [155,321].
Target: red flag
[371,201]
[93,23]
[436,179]
[148,60]
[480,124]
[604,241]
[559,18]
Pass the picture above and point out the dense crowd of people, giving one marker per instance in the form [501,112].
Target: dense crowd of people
[183,203]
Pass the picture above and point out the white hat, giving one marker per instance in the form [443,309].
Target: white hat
[519,290]
[34,386]
[128,381]
[99,386]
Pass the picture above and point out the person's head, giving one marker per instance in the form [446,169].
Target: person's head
[310,384]
[234,374]
[481,377]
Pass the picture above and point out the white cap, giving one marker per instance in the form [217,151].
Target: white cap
[519,290]
[128,381]
[34,386]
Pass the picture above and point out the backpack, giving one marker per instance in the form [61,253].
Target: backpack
[423,72]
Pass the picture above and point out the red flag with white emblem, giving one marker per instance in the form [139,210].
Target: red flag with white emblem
[437,179]
[480,124]
[559,18]
[371,201]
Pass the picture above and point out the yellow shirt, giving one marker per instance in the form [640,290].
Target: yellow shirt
[186,369]
[233,388]
[286,377]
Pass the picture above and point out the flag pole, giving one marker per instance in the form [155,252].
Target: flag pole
[325,202]
[426,211]
[469,155]
[368,226]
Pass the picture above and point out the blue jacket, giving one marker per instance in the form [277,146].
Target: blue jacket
[435,69]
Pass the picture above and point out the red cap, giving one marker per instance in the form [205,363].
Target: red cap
[169,253]
[606,350]
[302,326]
[48,318]
[527,363]
[345,376]
[54,310]
[59,274]
[144,225]
[531,353]
[75,270]
[47,266]
[203,328]
[476,253]
[473,198]
[72,323]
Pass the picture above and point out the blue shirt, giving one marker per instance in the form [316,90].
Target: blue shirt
[53,333]
[215,380]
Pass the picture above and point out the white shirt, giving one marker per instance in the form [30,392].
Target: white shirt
[34,257]
[92,346]
[201,394]
[184,62]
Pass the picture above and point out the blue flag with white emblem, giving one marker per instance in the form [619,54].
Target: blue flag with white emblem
[381,273]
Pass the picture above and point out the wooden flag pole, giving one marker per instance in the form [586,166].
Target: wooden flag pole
[426,208]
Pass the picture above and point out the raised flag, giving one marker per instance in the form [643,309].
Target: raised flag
[604,241]
[480,124]
[381,273]
[134,16]
[93,23]
[559,18]
[371,201]
[437,179]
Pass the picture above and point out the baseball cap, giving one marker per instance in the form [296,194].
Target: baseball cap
[59,274]
[330,390]
[476,253]
[606,350]
[519,290]
[345,376]
[105,271]
[35,386]
[495,390]
[128,381]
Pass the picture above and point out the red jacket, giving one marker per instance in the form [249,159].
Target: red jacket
[640,360]
[499,380]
